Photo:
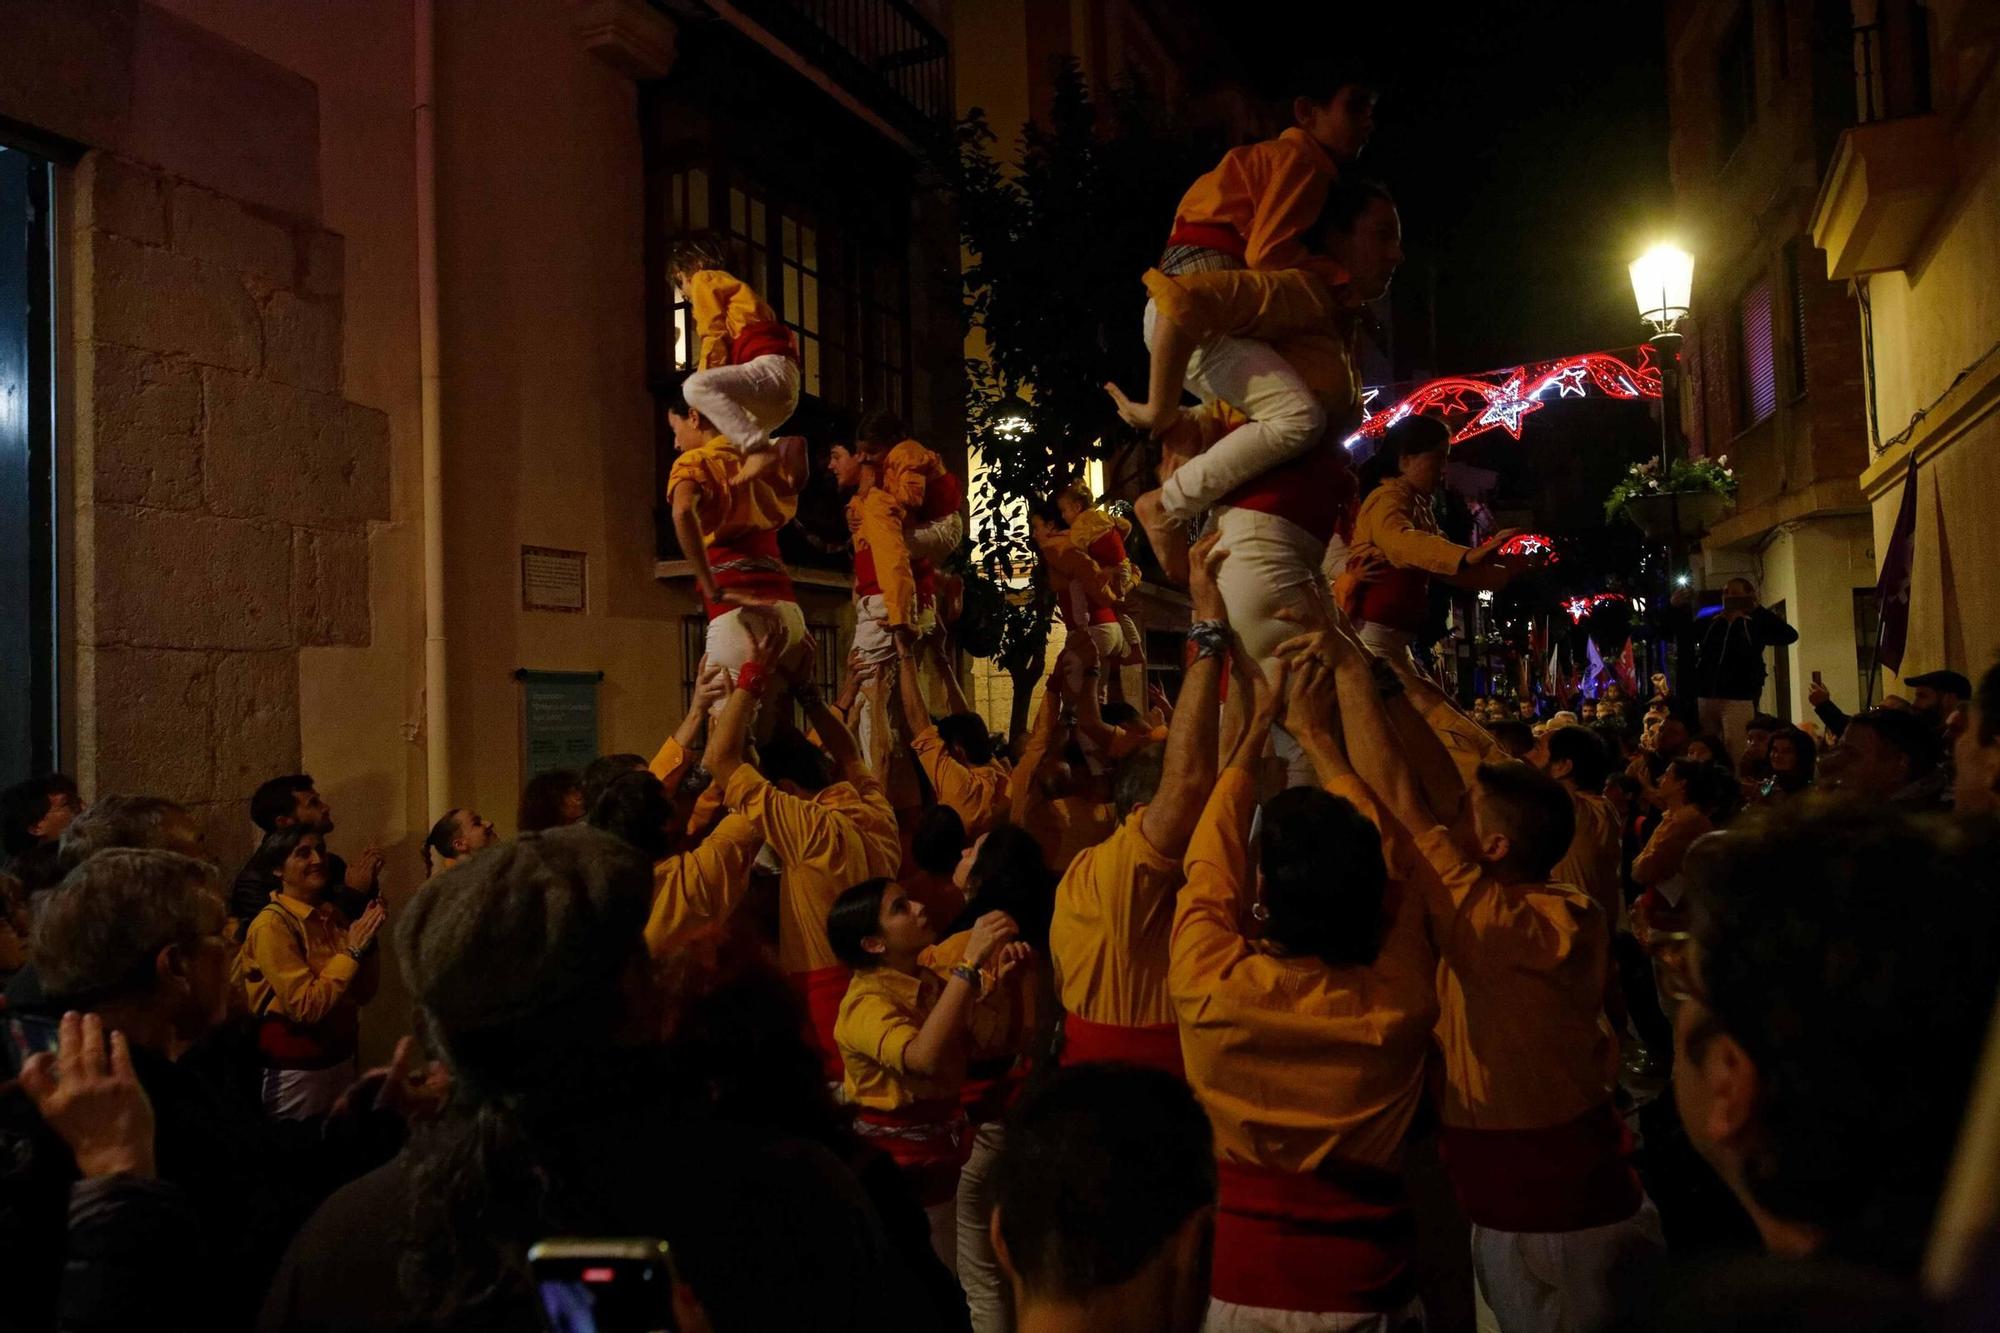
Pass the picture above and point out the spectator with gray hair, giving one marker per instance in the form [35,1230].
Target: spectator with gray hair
[137,939]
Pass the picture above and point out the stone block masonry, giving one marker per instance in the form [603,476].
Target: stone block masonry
[224,486]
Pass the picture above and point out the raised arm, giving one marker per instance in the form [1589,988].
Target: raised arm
[1190,764]
[926,1051]
[954,693]
[686,498]
[910,689]
[1021,783]
[725,742]
[1372,743]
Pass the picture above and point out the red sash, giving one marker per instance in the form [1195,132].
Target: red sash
[766,338]
[865,582]
[823,988]
[1208,236]
[991,1088]
[942,497]
[1563,1178]
[1155,1045]
[1338,1239]
[749,564]
[1398,598]
[929,1140]
[1317,491]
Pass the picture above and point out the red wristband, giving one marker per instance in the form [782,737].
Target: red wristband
[751,678]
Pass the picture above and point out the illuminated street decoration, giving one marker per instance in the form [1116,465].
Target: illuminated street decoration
[1501,399]
[1531,545]
[1581,608]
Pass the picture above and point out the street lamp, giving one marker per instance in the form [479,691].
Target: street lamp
[1662,283]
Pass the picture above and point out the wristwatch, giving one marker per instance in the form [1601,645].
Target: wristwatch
[969,974]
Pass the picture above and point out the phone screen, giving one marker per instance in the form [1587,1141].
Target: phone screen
[604,1286]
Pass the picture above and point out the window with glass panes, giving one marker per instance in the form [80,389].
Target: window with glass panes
[845,299]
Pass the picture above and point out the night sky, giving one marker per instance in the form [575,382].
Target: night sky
[1528,154]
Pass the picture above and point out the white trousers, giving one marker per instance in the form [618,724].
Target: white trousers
[1273,565]
[729,646]
[305,1094]
[1730,719]
[1224,1317]
[987,1291]
[747,402]
[1557,1281]
[937,541]
[1285,419]
[1110,640]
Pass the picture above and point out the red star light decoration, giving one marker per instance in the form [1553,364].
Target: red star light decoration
[1501,399]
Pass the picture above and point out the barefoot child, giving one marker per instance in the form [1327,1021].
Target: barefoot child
[748,382]
[1254,211]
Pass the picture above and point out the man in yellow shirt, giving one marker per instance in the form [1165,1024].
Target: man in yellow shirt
[1051,798]
[1535,1150]
[1306,1044]
[825,818]
[1114,910]
[955,752]
[727,526]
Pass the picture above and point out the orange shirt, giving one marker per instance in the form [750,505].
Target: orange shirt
[722,306]
[1003,1015]
[1660,859]
[826,845]
[881,1014]
[1081,587]
[1268,194]
[1522,995]
[1592,860]
[978,794]
[726,511]
[304,984]
[1130,739]
[1297,1062]
[700,887]
[1113,927]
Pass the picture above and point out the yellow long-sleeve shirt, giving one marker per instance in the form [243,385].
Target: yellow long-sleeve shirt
[826,845]
[701,886]
[722,305]
[881,1014]
[1296,1061]
[1113,925]
[725,510]
[304,985]
[978,794]
[1269,194]
[1521,993]
[1592,860]
[1396,524]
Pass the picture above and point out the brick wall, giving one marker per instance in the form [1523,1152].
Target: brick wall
[223,486]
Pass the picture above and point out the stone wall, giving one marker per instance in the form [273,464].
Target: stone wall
[223,485]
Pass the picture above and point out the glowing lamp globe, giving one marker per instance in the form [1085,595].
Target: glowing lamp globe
[1662,282]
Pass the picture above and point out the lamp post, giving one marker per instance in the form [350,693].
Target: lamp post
[1662,281]
[1662,284]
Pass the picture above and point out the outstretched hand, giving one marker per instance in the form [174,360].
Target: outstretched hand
[1153,420]
[1312,702]
[1205,559]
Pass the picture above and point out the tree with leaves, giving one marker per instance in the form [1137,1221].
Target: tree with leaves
[1055,247]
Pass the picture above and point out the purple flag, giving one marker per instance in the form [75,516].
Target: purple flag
[1892,589]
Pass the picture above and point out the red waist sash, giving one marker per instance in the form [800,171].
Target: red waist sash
[1561,1178]
[1398,598]
[767,338]
[1338,1239]
[1155,1045]
[823,988]
[929,1140]
[749,564]
[1208,236]
[1316,491]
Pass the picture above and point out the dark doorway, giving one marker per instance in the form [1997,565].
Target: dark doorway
[27,471]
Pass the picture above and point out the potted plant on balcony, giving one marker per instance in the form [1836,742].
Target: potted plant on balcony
[1682,500]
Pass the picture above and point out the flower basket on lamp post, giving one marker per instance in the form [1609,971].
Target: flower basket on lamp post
[1684,514]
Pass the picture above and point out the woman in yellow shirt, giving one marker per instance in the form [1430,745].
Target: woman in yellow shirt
[306,972]
[901,1035]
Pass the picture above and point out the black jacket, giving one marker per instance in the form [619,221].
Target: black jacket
[135,1248]
[246,1179]
[1729,653]
[770,1233]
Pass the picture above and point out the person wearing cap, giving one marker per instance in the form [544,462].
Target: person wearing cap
[1934,697]
[530,972]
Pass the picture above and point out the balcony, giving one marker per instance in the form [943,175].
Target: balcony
[880,58]
[1883,190]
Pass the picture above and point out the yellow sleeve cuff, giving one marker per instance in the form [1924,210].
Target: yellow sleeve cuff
[341,967]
